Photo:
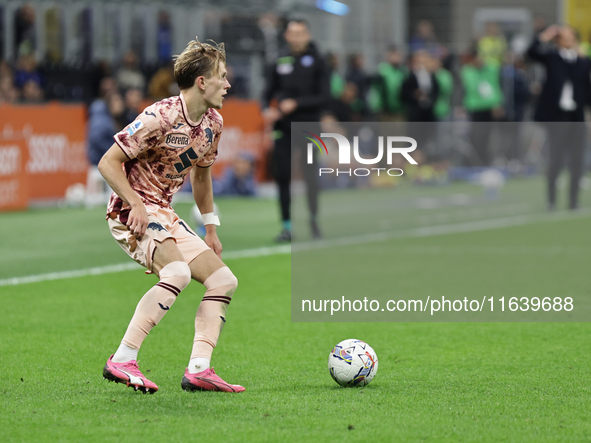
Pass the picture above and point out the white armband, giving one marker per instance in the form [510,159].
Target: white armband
[211,219]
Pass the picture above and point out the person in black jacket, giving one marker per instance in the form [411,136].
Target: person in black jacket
[562,101]
[420,89]
[299,82]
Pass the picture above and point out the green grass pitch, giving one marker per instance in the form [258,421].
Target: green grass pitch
[436,381]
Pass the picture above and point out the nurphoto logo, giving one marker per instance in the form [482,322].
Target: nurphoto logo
[393,145]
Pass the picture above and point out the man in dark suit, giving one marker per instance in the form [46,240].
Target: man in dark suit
[561,104]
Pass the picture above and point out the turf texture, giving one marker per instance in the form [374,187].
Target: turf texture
[436,381]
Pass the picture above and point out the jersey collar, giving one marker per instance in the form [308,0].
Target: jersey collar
[186,113]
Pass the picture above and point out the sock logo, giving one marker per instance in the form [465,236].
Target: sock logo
[166,308]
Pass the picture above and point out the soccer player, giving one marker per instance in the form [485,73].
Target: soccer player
[148,163]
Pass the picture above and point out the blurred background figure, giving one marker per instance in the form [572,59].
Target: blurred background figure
[32,92]
[356,74]
[8,93]
[420,90]
[565,93]
[133,99]
[163,84]
[387,85]
[445,83]
[517,95]
[24,26]
[299,81]
[424,39]
[492,45]
[337,82]
[27,71]
[164,38]
[482,100]
[106,117]
[129,75]
[237,179]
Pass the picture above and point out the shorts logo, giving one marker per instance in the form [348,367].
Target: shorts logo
[133,127]
[156,226]
[177,140]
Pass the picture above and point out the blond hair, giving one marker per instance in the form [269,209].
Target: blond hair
[198,59]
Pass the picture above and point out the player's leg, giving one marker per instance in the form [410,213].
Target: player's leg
[576,146]
[555,161]
[220,284]
[282,174]
[174,275]
[310,173]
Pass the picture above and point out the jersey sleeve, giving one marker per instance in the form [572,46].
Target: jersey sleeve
[141,134]
[211,155]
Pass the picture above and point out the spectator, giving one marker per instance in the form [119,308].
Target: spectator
[356,75]
[445,81]
[129,75]
[100,71]
[342,108]
[517,95]
[515,88]
[24,28]
[425,40]
[27,71]
[238,179]
[492,46]
[420,90]
[32,92]
[385,96]
[164,38]
[163,84]
[8,93]
[337,82]
[482,100]
[563,98]
[133,105]
[104,121]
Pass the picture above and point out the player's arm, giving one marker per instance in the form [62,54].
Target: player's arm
[111,170]
[203,195]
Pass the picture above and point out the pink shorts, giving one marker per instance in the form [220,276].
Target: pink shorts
[164,223]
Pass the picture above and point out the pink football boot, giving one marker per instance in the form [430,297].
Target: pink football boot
[129,374]
[207,381]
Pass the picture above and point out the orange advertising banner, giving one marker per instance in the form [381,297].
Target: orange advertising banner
[54,146]
[13,181]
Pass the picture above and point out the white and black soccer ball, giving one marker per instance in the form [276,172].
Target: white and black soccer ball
[352,363]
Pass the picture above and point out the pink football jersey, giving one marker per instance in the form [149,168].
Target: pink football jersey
[163,144]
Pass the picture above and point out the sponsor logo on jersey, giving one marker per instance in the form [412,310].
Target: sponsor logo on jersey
[177,140]
[209,135]
[133,127]
[175,176]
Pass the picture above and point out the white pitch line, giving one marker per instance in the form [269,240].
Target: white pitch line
[427,231]
[109,269]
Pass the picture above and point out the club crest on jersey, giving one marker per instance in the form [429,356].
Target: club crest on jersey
[177,140]
[133,127]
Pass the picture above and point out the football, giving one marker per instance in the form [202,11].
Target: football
[352,363]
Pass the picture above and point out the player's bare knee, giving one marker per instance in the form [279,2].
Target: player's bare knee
[179,272]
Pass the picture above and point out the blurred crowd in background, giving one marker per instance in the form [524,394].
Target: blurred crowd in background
[424,80]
